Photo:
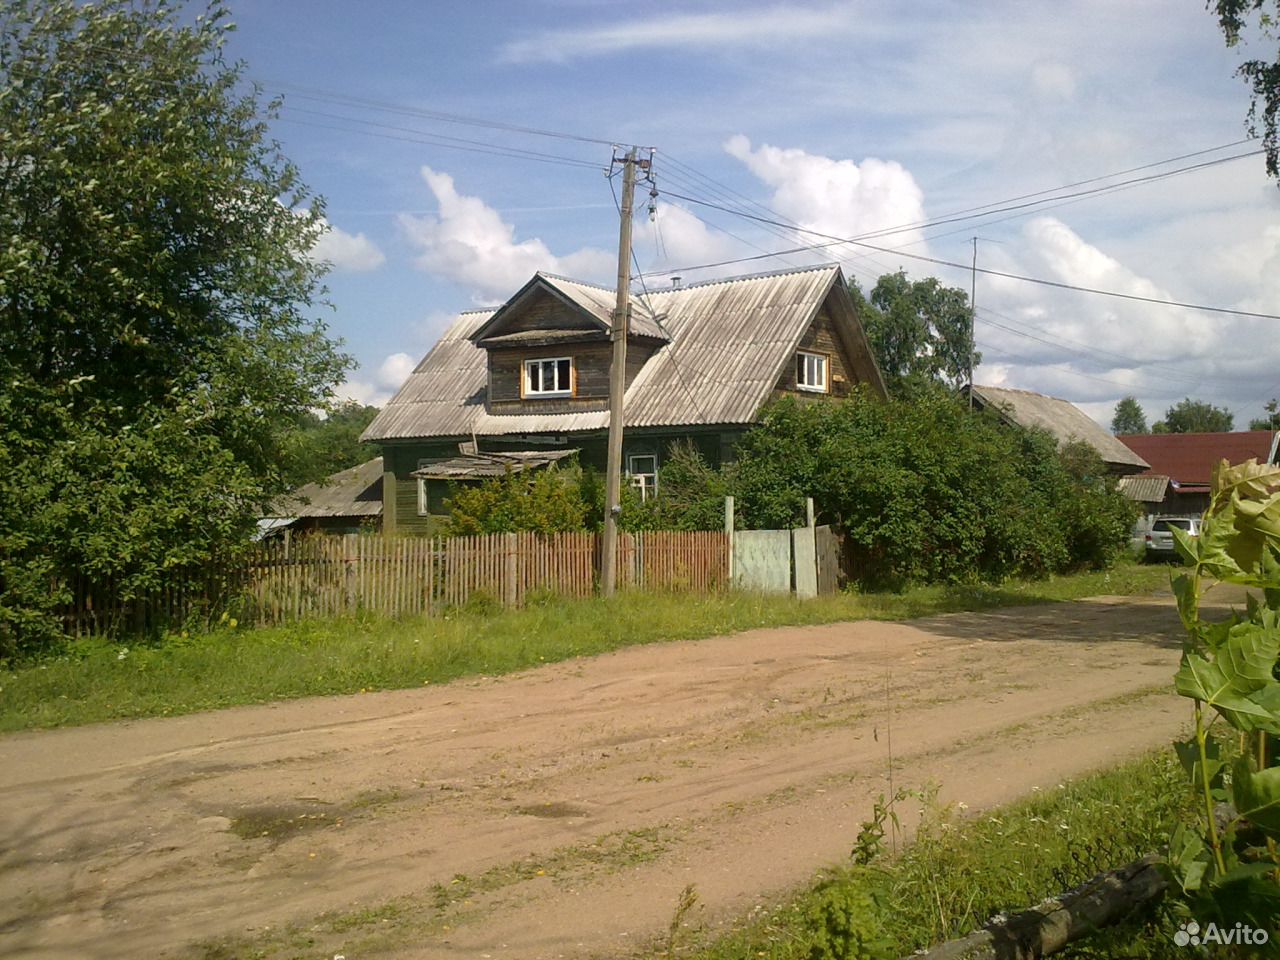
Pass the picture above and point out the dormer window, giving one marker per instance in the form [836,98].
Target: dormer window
[550,377]
[811,371]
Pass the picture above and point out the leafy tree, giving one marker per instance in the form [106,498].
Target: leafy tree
[926,491]
[156,301]
[321,446]
[1271,421]
[1194,416]
[1129,417]
[1237,18]
[920,331]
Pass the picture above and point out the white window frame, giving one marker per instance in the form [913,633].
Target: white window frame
[560,390]
[646,481]
[822,367]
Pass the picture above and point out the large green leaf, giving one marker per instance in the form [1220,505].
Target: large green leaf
[1248,658]
[1189,756]
[1184,590]
[1249,479]
[1256,795]
[1204,680]
[1188,858]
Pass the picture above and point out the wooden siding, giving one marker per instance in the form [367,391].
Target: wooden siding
[590,376]
[506,372]
[821,337]
[400,491]
[545,311]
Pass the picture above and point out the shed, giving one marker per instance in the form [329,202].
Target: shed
[1062,419]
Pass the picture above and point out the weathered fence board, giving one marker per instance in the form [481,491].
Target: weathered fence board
[827,543]
[322,576]
[762,560]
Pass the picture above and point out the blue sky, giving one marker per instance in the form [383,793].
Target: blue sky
[842,117]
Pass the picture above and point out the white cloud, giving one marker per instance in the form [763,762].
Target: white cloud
[469,243]
[738,28]
[386,380]
[1093,349]
[678,238]
[347,251]
[837,197]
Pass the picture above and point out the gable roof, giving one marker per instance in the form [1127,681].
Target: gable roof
[1061,418]
[596,302]
[729,341]
[1189,458]
[354,492]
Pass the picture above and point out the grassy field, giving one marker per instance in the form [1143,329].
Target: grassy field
[960,871]
[98,680]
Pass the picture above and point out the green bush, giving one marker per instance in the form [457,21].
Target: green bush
[543,501]
[926,491]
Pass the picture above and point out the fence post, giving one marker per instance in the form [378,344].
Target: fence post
[808,512]
[509,569]
[350,542]
[728,529]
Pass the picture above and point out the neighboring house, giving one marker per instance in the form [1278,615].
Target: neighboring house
[344,502]
[532,377]
[1062,419]
[1182,464]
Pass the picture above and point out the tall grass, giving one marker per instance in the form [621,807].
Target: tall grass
[96,680]
[961,871]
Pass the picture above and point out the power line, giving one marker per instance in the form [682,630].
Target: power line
[323,96]
[442,140]
[962,266]
[1012,203]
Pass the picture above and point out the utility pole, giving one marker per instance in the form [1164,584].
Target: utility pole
[618,377]
[973,315]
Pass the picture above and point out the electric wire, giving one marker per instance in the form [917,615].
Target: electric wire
[987,271]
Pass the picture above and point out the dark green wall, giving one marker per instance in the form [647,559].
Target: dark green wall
[400,490]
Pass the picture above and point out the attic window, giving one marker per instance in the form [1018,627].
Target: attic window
[811,371]
[552,377]
[643,471]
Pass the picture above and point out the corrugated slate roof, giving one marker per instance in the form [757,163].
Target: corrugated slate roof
[1063,419]
[471,466]
[1189,458]
[1145,488]
[729,341]
[600,301]
[354,492]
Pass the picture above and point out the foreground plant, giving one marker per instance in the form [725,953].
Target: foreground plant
[1226,865]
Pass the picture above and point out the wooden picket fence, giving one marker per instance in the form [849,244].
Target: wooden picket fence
[324,576]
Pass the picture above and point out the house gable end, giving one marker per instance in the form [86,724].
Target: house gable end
[835,333]
[538,307]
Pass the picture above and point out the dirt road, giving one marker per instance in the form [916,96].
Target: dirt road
[559,812]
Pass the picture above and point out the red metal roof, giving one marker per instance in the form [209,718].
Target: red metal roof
[1189,457]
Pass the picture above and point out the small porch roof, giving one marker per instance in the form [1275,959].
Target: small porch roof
[480,466]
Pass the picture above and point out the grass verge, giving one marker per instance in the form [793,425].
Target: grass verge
[96,680]
[959,872]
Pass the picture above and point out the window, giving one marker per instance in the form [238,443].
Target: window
[643,470]
[552,377]
[432,493]
[811,371]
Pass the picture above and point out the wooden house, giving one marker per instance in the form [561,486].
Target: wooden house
[1181,465]
[1060,418]
[532,377]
